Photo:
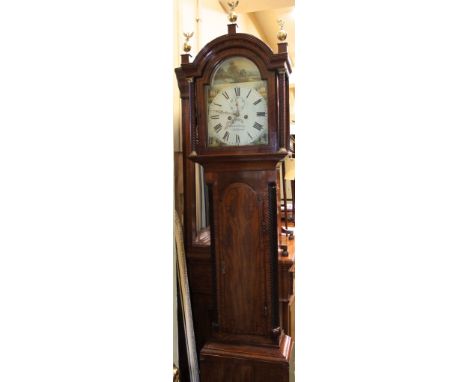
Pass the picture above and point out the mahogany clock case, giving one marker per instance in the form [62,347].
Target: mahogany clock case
[236,275]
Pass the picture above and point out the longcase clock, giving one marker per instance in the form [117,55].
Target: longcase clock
[236,110]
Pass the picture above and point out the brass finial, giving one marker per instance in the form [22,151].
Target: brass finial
[187,46]
[282,33]
[233,15]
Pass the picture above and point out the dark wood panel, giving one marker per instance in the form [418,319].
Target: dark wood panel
[228,371]
[200,276]
[201,312]
[242,293]
[228,363]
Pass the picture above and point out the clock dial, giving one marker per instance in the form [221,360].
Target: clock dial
[237,116]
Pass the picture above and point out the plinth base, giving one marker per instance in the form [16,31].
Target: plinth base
[220,362]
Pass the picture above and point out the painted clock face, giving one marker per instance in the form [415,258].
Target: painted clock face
[237,116]
[237,107]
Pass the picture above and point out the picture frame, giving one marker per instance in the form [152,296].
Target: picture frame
[186,306]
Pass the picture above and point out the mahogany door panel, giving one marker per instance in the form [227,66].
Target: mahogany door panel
[242,263]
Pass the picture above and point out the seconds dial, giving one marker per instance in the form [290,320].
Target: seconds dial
[237,116]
